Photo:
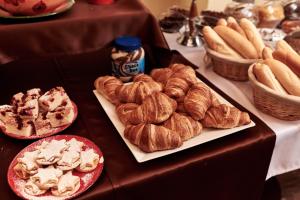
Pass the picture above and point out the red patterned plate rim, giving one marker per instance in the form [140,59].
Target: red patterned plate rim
[52,132]
[86,179]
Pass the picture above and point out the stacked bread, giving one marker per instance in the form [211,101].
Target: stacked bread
[170,106]
[237,40]
[280,70]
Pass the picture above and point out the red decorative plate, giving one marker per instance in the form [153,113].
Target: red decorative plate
[52,132]
[86,179]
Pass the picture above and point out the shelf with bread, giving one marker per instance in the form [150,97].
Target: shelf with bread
[167,111]
[276,83]
[233,47]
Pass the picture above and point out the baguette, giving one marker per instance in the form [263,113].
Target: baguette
[215,42]
[222,22]
[232,23]
[237,42]
[264,75]
[283,45]
[285,75]
[290,59]
[253,35]
[267,53]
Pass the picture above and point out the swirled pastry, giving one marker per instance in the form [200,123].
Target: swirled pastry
[46,177]
[69,160]
[89,161]
[27,162]
[67,185]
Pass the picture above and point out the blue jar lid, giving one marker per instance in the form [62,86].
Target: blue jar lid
[128,43]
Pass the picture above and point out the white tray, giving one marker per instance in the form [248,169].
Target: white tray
[206,135]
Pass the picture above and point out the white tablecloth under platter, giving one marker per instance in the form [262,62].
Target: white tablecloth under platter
[286,154]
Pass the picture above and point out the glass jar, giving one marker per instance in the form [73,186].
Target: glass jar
[128,58]
[240,10]
[270,13]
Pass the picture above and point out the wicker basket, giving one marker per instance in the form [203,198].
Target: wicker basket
[285,107]
[232,68]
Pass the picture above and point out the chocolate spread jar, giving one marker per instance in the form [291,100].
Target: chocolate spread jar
[128,58]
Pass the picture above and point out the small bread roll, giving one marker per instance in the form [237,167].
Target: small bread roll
[222,22]
[292,60]
[232,23]
[215,42]
[264,75]
[237,42]
[285,75]
[267,53]
[284,46]
[253,35]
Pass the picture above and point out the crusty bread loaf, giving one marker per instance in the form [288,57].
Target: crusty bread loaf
[216,43]
[287,78]
[290,59]
[237,42]
[267,53]
[232,23]
[283,45]
[222,22]
[264,75]
[253,35]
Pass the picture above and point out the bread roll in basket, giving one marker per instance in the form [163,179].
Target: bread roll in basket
[30,7]
[281,106]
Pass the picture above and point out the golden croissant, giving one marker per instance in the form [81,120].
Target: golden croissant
[150,137]
[156,108]
[176,87]
[184,125]
[161,75]
[198,100]
[224,116]
[184,72]
[137,91]
[106,86]
[142,77]
[123,111]
[180,105]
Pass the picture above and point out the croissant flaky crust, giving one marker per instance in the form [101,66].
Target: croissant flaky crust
[106,85]
[155,109]
[198,100]
[176,87]
[123,111]
[184,125]
[161,75]
[224,116]
[142,77]
[137,91]
[150,137]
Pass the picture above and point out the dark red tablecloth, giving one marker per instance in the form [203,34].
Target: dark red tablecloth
[85,28]
[230,168]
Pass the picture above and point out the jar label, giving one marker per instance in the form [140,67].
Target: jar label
[129,69]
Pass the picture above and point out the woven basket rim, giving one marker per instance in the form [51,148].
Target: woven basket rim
[256,83]
[227,58]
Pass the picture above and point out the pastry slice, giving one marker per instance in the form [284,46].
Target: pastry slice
[67,185]
[32,189]
[18,99]
[28,163]
[28,109]
[53,98]
[74,145]
[61,116]
[20,172]
[89,161]
[42,124]
[6,113]
[34,93]
[70,160]
[46,177]
[19,126]
[52,152]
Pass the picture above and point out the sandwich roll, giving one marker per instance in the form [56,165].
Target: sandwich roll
[267,53]
[216,43]
[222,22]
[264,75]
[290,59]
[237,42]
[253,35]
[232,23]
[287,78]
[284,46]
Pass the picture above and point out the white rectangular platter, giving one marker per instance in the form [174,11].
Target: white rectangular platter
[206,135]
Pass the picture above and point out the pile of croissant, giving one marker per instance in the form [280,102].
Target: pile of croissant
[170,106]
